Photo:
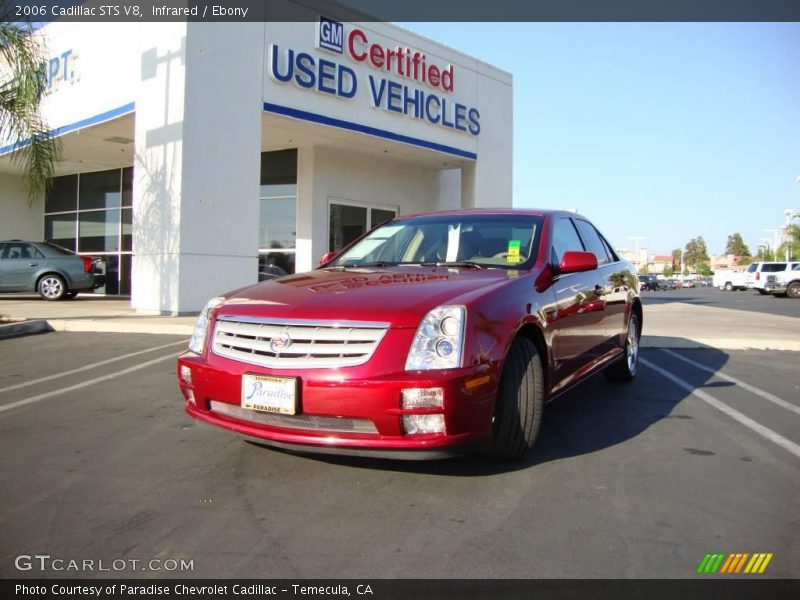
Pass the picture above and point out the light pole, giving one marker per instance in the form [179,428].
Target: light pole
[636,260]
[790,214]
[774,233]
[766,247]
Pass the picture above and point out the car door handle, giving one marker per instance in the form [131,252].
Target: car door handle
[33,264]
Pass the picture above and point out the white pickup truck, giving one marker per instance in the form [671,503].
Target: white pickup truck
[730,279]
[785,282]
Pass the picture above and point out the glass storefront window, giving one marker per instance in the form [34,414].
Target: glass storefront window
[278,223]
[349,221]
[100,190]
[127,230]
[83,214]
[127,186]
[63,194]
[60,230]
[98,231]
[277,233]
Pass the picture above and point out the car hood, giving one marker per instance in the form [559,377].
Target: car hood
[400,296]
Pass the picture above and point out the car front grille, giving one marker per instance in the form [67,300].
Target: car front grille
[307,422]
[296,344]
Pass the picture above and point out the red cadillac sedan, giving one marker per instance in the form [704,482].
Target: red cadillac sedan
[430,336]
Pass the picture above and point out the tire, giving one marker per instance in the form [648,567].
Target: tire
[52,287]
[519,405]
[762,292]
[793,290]
[729,287]
[625,368]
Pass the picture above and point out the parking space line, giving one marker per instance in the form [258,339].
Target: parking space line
[746,386]
[765,432]
[88,367]
[79,386]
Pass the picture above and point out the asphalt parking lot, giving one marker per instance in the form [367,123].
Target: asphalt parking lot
[749,300]
[700,454]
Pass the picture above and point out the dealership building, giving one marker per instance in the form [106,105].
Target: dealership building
[201,157]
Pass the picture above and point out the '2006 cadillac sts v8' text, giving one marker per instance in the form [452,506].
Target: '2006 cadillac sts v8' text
[431,335]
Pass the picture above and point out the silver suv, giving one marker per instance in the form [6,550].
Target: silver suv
[756,277]
[54,272]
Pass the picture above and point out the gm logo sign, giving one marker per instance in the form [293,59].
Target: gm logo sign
[330,35]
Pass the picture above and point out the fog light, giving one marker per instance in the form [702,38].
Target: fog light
[189,395]
[423,424]
[186,374]
[423,398]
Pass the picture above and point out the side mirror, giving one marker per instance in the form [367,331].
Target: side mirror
[326,258]
[576,262]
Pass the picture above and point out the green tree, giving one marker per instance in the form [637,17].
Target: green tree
[704,269]
[668,271]
[794,237]
[676,259]
[696,252]
[736,245]
[21,73]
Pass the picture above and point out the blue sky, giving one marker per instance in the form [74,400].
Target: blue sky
[662,130]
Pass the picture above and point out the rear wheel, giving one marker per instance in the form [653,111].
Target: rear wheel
[625,368]
[519,405]
[52,287]
[793,289]
[729,287]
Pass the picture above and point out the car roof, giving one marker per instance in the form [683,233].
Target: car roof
[528,212]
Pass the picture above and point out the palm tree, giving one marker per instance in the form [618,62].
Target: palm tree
[22,85]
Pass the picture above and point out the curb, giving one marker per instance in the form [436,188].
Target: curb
[111,326]
[24,328]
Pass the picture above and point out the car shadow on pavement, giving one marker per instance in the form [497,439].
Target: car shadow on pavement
[595,415]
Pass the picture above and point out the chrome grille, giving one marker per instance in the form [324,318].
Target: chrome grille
[314,422]
[313,344]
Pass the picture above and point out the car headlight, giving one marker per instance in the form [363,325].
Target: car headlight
[439,342]
[201,327]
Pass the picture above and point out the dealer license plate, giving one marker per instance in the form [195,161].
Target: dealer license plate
[269,394]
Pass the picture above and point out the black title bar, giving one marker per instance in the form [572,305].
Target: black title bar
[400,10]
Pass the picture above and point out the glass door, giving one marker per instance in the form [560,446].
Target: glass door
[348,220]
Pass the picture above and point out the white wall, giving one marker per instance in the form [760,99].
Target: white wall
[325,173]
[19,221]
[198,143]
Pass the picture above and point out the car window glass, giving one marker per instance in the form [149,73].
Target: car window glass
[36,253]
[774,268]
[18,250]
[592,240]
[565,238]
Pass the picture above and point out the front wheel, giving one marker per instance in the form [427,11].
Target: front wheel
[52,287]
[519,405]
[625,368]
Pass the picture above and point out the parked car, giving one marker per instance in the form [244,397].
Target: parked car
[757,273]
[431,335]
[785,282]
[649,282]
[667,284]
[54,272]
[730,279]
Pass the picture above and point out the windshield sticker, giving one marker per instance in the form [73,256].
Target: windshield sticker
[513,256]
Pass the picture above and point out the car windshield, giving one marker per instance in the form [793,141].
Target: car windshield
[470,240]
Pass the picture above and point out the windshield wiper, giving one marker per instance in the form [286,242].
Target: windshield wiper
[455,263]
[379,264]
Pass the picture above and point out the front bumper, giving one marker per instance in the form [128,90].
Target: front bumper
[345,411]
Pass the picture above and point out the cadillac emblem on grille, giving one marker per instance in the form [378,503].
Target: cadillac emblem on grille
[280,342]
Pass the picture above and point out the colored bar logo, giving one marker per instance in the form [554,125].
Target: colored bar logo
[735,563]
